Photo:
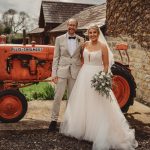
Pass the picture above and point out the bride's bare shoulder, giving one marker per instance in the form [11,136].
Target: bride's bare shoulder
[103,46]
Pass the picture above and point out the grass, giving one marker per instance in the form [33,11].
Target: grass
[40,91]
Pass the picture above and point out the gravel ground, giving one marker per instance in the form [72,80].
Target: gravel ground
[39,139]
[31,134]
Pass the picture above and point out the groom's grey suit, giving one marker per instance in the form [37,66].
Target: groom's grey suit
[66,68]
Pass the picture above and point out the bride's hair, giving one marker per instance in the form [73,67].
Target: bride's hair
[94,27]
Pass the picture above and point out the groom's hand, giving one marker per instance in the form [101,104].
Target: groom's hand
[55,80]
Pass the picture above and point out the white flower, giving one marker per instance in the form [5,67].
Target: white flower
[103,73]
[107,88]
[101,77]
[103,84]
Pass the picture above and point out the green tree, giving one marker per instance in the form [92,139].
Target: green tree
[7,30]
[2,27]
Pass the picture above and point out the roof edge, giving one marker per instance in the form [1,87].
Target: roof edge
[50,1]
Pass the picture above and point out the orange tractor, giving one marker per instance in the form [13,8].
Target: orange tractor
[23,65]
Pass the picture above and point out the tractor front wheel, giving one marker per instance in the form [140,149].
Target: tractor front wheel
[13,106]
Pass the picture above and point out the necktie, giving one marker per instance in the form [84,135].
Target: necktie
[72,37]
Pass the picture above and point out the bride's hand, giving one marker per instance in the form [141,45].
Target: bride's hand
[82,44]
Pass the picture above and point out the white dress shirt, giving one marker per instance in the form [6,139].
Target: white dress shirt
[72,45]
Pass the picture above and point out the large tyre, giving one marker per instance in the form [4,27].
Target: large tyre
[124,86]
[13,106]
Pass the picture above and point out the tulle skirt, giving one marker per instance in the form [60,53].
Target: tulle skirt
[93,117]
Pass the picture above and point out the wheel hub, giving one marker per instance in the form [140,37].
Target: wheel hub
[10,106]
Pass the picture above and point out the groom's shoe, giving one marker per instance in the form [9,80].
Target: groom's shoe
[52,126]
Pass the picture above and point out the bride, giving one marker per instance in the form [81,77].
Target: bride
[91,116]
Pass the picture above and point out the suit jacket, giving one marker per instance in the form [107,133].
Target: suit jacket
[63,63]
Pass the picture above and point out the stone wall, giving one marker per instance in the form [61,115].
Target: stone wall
[131,17]
[129,21]
[139,64]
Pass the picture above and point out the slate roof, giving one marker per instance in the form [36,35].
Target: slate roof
[36,30]
[55,11]
[91,15]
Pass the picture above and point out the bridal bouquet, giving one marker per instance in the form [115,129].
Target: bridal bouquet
[102,83]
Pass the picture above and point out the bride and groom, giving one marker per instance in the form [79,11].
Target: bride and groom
[89,115]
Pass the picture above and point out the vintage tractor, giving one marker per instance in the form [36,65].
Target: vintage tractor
[23,65]
[20,66]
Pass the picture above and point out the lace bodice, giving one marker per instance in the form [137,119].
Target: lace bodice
[92,58]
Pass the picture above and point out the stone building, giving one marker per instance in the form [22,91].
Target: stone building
[128,21]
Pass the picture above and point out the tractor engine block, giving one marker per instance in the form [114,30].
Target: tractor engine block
[25,63]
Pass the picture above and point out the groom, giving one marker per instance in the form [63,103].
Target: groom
[66,65]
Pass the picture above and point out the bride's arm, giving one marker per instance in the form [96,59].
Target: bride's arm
[81,52]
[105,58]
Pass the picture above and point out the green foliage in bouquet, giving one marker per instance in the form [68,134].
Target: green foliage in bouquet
[102,83]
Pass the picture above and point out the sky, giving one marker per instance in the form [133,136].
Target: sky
[32,7]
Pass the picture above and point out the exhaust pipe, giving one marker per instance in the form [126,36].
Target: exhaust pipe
[24,37]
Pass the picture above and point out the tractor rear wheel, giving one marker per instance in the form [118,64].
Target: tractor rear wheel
[13,106]
[124,86]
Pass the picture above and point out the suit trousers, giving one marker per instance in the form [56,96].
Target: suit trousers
[61,86]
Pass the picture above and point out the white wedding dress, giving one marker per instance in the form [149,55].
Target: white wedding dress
[93,117]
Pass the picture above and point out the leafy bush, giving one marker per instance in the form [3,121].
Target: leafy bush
[41,91]
[37,95]
[49,92]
